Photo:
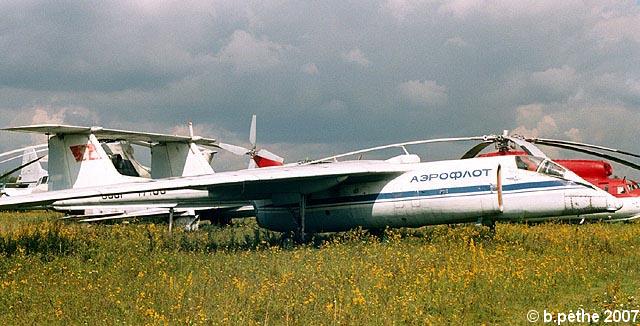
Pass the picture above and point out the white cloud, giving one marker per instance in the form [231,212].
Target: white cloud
[457,42]
[560,79]
[608,125]
[534,122]
[461,8]
[574,134]
[310,68]
[170,61]
[617,85]
[43,115]
[616,26]
[509,9]
[334,106]
[248,53]
[426,92]
[54,115]
[356,56]
[401,9]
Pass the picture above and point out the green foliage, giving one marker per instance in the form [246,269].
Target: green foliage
[63,273]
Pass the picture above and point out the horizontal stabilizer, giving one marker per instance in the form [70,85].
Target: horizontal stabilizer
[111,134]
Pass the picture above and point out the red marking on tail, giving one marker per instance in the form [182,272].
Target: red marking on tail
[84,152]
[262,162]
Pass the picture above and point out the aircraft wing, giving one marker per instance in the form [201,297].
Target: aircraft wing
[111,134]
[254,184]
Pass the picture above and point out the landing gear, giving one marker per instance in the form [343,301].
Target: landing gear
[488,222]
[221,220]
[492,226]
[192,223]
[300,235]
[216,217]
[380,234]
[170,219]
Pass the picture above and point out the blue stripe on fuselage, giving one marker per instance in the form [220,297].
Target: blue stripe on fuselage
[460,191]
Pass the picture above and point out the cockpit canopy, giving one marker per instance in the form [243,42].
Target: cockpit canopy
[540,165]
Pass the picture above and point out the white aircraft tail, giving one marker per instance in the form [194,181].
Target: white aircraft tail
[174,159]
[78,160]
[32,172]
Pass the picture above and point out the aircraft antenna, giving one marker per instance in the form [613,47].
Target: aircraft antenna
[191,129]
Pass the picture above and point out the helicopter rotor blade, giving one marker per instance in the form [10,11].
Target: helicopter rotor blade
[590,152]
[572,143]
[475,150]
[334,158]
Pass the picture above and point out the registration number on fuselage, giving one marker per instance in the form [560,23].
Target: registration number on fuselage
[140,194]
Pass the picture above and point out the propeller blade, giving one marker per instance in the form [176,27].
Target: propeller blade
[566,142]
[499,188]
[475,150]
[270,156]
[238,150]
[252,131]
[21,166]
[252,164]
[590,152]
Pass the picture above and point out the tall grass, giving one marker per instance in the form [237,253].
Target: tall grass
[59,273]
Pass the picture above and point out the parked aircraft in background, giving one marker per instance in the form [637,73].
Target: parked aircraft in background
[373,194]
[32,177]
[77,160]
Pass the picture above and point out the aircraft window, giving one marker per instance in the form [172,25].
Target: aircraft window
[529,163]
[44,180]
[552,169]
[621,190]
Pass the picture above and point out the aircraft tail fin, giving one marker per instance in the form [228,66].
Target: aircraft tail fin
[32,172]
[78,160]
[174,159]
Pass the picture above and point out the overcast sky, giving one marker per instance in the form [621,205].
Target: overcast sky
[325,76]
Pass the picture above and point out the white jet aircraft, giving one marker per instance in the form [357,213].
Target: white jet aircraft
[78,160]
[32,177]
[372,194]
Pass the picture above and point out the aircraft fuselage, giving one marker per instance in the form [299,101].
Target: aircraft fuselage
[439,193]
[442,192]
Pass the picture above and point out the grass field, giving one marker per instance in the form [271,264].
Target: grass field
[60,273]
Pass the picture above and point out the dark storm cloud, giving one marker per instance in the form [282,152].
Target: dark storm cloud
[343,74]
